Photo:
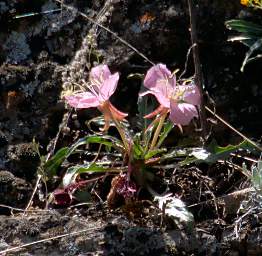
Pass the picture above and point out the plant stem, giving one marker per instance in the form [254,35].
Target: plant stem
[158,130]
[121,133]
[197,64]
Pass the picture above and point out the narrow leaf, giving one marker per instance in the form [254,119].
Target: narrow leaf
[166,130]
[54,162]
[244,27]
[74,171]
[252,48]
[52,165]
[152,153]
[214,152]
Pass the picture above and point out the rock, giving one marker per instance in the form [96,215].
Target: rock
[13,191]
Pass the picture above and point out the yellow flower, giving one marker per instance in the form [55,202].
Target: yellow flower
[244,2]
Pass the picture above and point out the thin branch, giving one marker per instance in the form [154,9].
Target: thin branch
[33,194]
[186,63]
[197,64]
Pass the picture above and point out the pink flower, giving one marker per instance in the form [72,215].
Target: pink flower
[102,84]
[179,100]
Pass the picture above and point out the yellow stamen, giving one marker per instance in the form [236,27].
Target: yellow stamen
[174,72]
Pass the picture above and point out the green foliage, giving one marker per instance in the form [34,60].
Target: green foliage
[175,153]
[52,165]
[141,151]
[250,35]
[138,151]
[256,175]
[154,152]
[216,152]
[74,171]
[213,152]
[144,106]
[168,126]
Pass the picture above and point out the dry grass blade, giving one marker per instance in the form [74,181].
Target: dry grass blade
[233,129]
[48,239]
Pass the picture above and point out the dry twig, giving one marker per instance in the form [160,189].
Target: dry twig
[197,64]
[48,239]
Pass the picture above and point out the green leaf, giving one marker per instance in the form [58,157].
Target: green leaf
[247,41]
[154,152]
[214,152]
[218,152]
[189,160]
[143,109]
[99,139]
[138,151]
[145,105]
[252,48]
[100,122]
[256,177]
[166,130]
[137,147]
[52,165]
[74,171]
[244,27]
[83,196]
[54,162]
[251,36]
[175,153]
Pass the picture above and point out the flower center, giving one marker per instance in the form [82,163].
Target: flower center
[178,95]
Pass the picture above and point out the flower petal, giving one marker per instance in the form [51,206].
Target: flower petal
[110,111]
[161,98]
[99,73]
[108,87]
[118,115]
[161,84]
[160,110]
[182,113]
[191,94]
[159,78]
[155,73]
[82,100]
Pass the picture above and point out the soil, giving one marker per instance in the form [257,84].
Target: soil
[34,53]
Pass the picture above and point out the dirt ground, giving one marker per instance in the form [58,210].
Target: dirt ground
[36,50]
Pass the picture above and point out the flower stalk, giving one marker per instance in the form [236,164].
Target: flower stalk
[158,130]
[121,133]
